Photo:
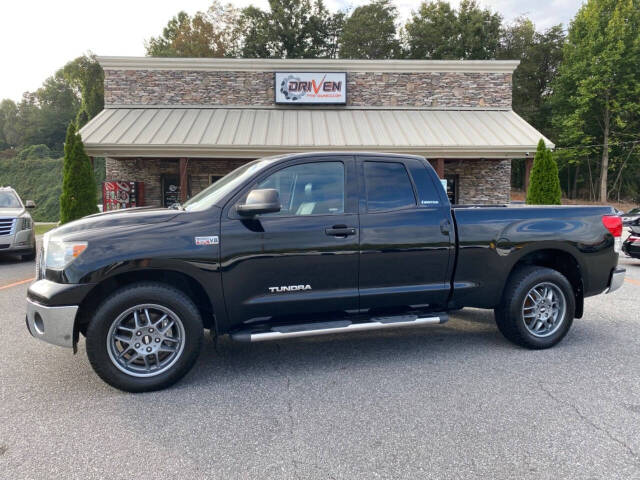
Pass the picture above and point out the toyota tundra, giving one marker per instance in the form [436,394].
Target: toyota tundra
[311,244]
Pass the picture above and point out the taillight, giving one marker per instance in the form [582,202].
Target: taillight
[633,239]
[613,223]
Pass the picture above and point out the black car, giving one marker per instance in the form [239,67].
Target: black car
[631,218]
[631,245]
[312,244]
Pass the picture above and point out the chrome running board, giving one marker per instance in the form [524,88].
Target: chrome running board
[337,326]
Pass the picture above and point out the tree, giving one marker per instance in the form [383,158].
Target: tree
[290,29]
[540,54]
[597,91]
[206,34]
[544,184]
[370,32]
[479,32]
[433,31]
[55,104]
[8,115]
[325,29]
[40,117]
[254,23]
[86,77]
[437,31]
[78,197]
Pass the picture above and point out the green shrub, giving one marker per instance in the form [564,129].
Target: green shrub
[37,180]
[78,197]
[40,180]
[33,152]
[544,184]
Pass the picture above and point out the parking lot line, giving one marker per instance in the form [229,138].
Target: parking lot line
[632,280]
[15,284]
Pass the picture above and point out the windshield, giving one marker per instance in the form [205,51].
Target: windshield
[634,211]
[9,200]
[217,190]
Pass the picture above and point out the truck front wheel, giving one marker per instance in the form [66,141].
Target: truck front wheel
[537,307]
[144,337]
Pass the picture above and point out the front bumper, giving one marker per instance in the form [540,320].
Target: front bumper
[617,279]
[21,242]
[51,324]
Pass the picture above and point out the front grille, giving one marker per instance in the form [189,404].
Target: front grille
[4,246]
[7,226]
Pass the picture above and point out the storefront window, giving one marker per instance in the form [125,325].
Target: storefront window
[170,189]
[452,188]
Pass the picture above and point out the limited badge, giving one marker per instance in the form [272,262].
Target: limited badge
[207,240]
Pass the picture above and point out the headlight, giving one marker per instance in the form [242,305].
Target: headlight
[23,223]
[60,254]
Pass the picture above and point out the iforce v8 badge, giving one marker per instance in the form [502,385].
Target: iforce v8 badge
[213,240]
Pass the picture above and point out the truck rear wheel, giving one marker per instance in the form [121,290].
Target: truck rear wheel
[537,307]
[144,337]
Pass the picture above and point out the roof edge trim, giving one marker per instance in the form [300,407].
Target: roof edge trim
[261,64]
[247,151]
[133,106]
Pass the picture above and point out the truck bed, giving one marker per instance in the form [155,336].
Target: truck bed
[491,239]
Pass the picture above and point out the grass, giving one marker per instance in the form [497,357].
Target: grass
[42,228]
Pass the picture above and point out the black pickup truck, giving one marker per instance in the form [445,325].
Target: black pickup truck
[311,244]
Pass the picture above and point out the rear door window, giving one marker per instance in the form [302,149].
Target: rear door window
[388,186]
[428,193]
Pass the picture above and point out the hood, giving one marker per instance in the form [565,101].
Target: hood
[119,218]
[11,212]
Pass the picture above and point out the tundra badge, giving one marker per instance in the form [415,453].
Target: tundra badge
[289,288]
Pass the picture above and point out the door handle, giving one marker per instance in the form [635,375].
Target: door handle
[340,231]
[444,227]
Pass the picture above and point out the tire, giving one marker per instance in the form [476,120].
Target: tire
[517,311]
[28,257]
[177,344]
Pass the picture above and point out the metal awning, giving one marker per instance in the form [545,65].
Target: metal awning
[228,132]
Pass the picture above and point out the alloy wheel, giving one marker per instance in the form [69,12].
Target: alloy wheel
[544,309]
[146,340]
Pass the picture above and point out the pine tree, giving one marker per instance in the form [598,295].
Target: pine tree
[78,197]
[68,146]
[544,185]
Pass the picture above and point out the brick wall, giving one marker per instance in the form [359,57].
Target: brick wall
[425,89]
[481,181]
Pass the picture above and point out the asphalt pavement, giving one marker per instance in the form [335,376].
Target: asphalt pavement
[450,401]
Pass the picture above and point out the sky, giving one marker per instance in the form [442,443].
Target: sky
[37,37]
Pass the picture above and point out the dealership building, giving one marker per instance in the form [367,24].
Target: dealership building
[178,124]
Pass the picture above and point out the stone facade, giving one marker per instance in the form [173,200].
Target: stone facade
[478,180]
[239,88]
[150,171]
[481,181]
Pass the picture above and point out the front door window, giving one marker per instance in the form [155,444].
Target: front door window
[309,189]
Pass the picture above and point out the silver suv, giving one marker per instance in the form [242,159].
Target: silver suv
[17,234]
